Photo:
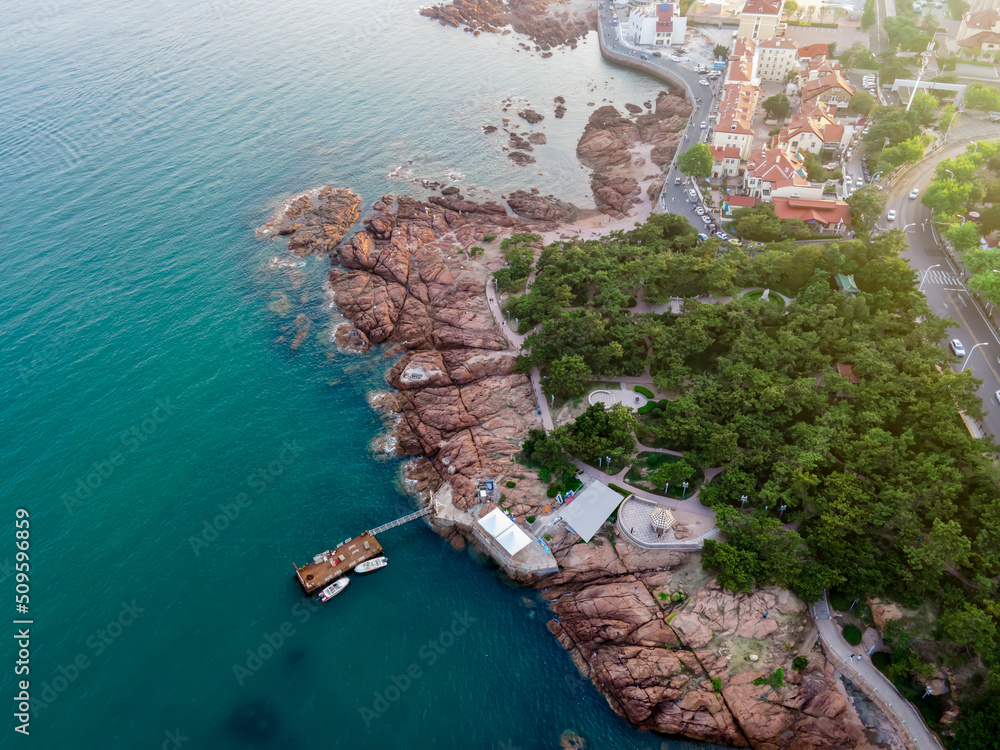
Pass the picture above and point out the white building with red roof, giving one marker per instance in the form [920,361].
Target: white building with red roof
[832,215]
[659,24]
[772,172]
[726,161]
[761,19]
[979,32]
[813,130]
[776,59]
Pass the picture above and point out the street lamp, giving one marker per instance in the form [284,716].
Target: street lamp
[743,501]
[951,173]
[969,355]
[684,493]
[921,287]
[960,217]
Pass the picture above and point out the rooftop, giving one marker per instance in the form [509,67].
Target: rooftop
[763,7]
[814,210]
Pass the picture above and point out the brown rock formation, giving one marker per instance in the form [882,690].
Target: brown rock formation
[544,23]
[654,661]
[531,116]
[318,220]
[608,137]
[520,158]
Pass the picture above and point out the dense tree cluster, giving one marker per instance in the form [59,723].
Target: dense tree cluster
[843,409]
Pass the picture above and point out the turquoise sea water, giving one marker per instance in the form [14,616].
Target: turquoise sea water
[148,387]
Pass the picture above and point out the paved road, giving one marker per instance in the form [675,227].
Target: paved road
[866,675]
[674,198]
[944,287]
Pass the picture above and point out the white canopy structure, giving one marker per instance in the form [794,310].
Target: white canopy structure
[496,522]
[590,509]
[514,540]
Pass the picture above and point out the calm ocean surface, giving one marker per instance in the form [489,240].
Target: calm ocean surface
[147,380]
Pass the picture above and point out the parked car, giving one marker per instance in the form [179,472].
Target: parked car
[706,219]
[859,181]
[722,235]
[891,216]
[692,194]
[914,193]
[848,179]
[675,58]
[700,211]
[735,242]
[703,82]
[657,54]
[702,236]
[997,394]
[957,348]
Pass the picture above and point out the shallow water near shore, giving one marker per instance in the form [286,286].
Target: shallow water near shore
[175,454]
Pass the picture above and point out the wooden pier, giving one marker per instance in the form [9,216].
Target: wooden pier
[328,566]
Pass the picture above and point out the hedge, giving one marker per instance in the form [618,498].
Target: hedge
[852,635]
[644,391]
[619,490]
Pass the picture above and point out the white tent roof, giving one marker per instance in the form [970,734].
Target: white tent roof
[514,540]
[590,509]
[496,522]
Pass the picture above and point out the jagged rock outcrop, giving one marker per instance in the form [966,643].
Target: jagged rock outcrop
[318,220]
[548,25]
[655,661]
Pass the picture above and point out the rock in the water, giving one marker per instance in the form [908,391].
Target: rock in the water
[520,158]
[531,116]
[539,139]
[487,129]
[560,111]
[317,220]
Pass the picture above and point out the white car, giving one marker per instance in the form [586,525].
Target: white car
[914,193]
[703,82]
[703,126]
[848,179]
[707,219]
[722,235]
[700,211]
[859,180]
[957,348]
[997,394]
[891,216]
[675,58]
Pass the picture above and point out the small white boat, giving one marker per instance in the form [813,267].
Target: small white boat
[333,589]
[370,565]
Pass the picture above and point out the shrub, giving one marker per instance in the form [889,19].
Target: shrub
[648,407]
[852,635]
[717,684]
[530,519]
[489,237]
[548,537]
[881,660]
[799,663]
[620,491]
[776,681]
[644,391]
[476,250]
[511,485]
[662,595]
[545,475]
[552,491]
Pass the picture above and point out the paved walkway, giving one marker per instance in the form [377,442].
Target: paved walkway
[628,398]
[866,676]
[633,522]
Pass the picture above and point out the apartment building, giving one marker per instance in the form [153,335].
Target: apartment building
[760,19]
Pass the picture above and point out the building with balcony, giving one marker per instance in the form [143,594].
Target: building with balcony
[760,19]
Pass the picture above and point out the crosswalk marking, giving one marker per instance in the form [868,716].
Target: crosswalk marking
[943,278]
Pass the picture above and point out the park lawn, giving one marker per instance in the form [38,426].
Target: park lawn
[647,462]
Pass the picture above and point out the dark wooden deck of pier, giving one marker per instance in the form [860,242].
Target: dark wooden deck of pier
[332,564]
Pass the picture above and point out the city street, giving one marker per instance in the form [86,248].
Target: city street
[944,286]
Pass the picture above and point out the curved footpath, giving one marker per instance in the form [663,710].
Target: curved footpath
[875,684]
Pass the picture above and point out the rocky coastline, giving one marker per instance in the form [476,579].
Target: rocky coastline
[669,649]
[548,25]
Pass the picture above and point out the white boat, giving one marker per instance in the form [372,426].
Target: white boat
[369,565]
[333,589]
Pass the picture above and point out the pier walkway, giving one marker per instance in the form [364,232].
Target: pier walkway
[405,519]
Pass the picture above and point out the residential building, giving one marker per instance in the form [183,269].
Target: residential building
[772,172]
[659,24]
[813,130]
[776,59]
[826,215]
[734,125]
[979,32]
[726,161]
[760,19]
[813,52]
[824,82]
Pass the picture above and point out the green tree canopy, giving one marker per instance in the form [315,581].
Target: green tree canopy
[867,204]
[862,103]
[777,107]
[720,51]
[567,377]
[697,161]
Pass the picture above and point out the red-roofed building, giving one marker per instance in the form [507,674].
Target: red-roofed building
[811,51]
[725,161]
[734,126]
[813,130]
[760,19]
[979,32]
[828,87]
[732,202]
[772,172]
[834,215]
[776,58]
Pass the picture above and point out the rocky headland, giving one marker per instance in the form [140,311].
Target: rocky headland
[549,25]
[610,137]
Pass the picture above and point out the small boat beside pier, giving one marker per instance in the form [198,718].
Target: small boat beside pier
[369,566]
